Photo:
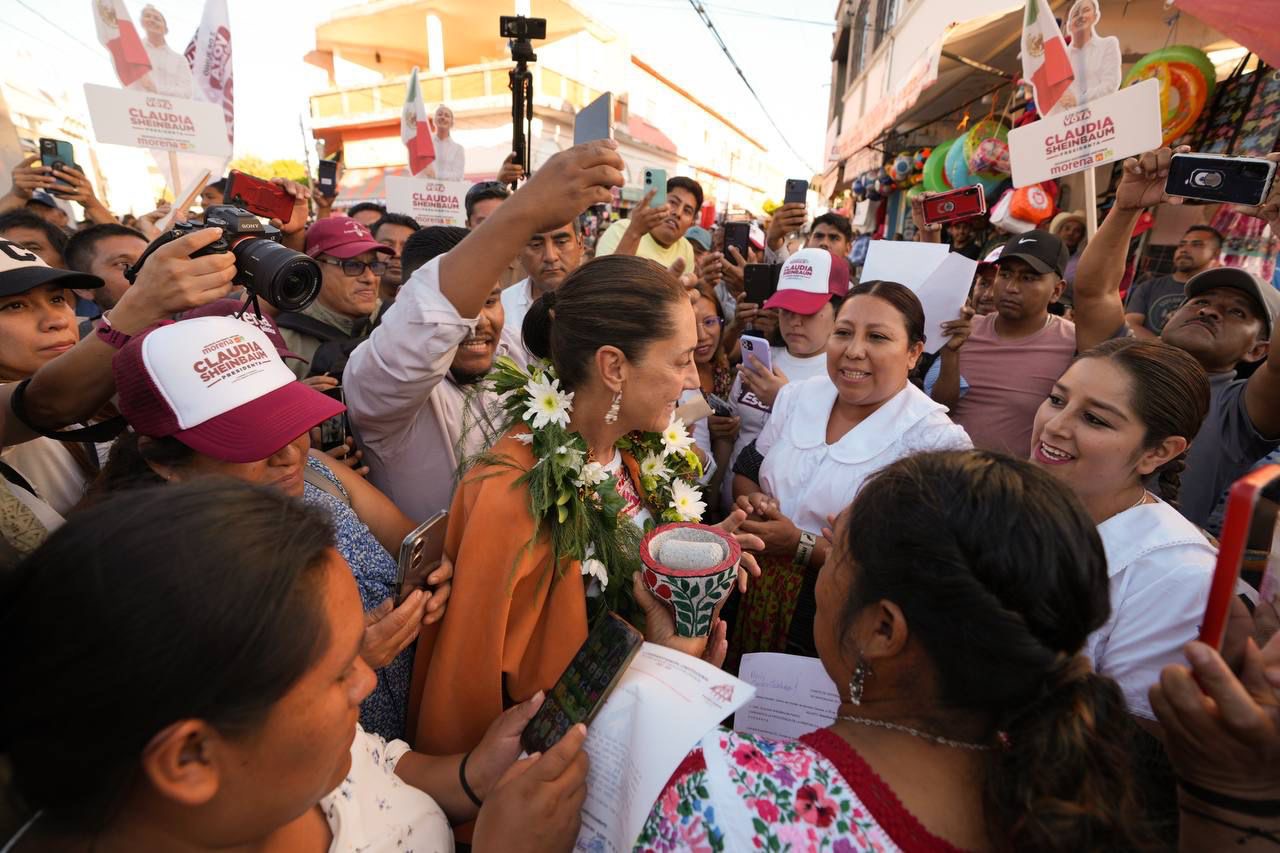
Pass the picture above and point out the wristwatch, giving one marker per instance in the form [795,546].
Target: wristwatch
[109,335]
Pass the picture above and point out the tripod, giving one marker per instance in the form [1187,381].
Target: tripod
[521,105]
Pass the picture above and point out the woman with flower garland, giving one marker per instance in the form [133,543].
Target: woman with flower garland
[544,527]
[825,437]
[969,716]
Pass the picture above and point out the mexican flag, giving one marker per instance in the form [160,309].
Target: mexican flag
[414,132]
[118,36]
[1044,56]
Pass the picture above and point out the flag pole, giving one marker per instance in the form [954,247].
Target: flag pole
[1091,201]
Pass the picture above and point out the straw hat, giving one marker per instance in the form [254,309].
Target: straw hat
[1065,217]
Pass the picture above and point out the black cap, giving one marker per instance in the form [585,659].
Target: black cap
[1043,251]
[21,270]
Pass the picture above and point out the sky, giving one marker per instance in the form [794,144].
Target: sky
[784,51]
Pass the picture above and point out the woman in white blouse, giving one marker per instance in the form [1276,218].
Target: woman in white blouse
[825,437]
[1125,412]
[196,685]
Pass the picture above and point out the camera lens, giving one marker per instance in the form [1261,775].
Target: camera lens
[1206,178]
[287,279]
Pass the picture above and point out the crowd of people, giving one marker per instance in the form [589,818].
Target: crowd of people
[998,545]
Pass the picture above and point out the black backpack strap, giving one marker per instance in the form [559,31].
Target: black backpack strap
[11,474]
[303,324]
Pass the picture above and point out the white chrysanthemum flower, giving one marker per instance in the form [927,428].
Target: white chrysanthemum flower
[675,438]
[591,475]
[652,466]
[547,403]
[687,501]
[591,567]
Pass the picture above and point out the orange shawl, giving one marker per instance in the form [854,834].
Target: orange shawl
[509,614]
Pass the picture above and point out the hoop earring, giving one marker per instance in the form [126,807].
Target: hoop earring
[858,683]
[611,416]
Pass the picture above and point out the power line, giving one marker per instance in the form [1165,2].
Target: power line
[706,19]
[748,13]
[57,27]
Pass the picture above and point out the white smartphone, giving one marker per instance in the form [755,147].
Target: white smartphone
[420,553]
[758,347]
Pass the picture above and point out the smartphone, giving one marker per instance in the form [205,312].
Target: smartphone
[1212,177]
[327,178]
[420,553]
[797,191]
[656,179]
[760,281]
[1249,528]
[259,197]
[737,234]
[595,121]
[585,684]
[758,347]
[58,154]
[956,204]
[333,432]
[719,406]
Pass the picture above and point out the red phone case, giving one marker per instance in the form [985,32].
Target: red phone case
[1242,500]
[956,204]
[259,197]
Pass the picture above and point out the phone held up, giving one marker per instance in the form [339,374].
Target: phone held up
[797,191]
[327,178]
[759,349]
[1249,548]
[58,154]
[420,553]
[737,234]
[585,684]
[1212,177]
[259,197]
[954,205]
[655,181]
[760,281]
[333,432]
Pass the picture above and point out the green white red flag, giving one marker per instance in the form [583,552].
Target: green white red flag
[1044,56]
[414,130]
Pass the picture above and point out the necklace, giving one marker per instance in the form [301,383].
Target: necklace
[1142,498]
[897,727]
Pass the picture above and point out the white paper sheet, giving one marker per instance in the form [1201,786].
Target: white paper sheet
[943,294]
[664,704]
[794,696]
[908,263]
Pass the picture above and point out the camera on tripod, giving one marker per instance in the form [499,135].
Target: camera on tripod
[519,30]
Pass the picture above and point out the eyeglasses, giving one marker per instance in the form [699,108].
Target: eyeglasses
[354,268]
[711,324]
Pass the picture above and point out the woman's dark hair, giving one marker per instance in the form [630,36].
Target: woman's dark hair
[129,464]
[1169,393]
[195,601]
[900,297]
[1002,594]
[615,300]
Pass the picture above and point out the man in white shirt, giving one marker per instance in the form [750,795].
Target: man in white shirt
[170,74]
[549,257]
[450,162]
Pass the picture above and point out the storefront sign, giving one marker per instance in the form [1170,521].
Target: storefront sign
[157,122]
[1101,132]
[429,201]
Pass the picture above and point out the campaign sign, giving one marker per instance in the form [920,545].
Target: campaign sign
[158,122]
[1100,132]
[429,201]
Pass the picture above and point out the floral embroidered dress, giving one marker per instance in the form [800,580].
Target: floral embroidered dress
[744,792]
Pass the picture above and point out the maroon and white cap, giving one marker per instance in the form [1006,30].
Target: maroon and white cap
[808,280]
[343,238]
[217,385]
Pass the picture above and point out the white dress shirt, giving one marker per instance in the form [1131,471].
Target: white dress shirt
[451,159]
[170,73]
[1096,67]
[811,479]
[1160,567]
[516,300]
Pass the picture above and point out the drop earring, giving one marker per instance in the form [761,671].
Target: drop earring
[858,682]
[611,416]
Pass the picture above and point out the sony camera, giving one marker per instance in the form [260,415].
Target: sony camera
[287,279]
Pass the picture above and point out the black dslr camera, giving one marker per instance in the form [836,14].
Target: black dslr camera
[287,279]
